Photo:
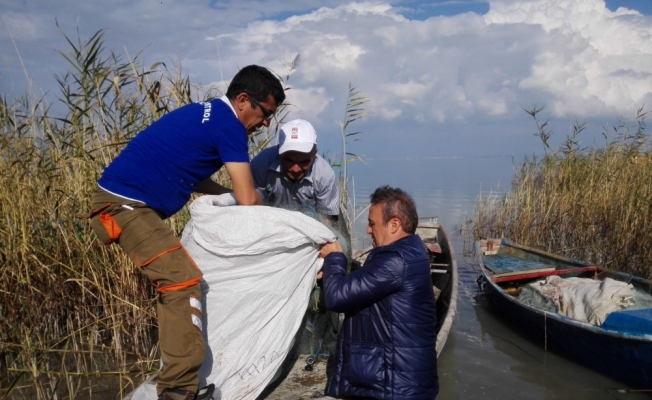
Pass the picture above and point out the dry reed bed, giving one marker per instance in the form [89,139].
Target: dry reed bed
[76,313]
[592,204]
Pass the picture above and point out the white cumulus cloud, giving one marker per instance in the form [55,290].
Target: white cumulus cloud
[575,56]
[591,61]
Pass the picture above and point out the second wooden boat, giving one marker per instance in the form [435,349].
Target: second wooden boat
[616,338]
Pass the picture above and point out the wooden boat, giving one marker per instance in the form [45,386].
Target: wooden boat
[620,347]
[443,267]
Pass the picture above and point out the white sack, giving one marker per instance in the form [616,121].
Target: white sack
[260,265]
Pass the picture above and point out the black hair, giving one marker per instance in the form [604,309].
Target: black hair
[398,204]
[258,82]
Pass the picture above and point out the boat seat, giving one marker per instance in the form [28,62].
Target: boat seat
[505,265]
[632,322]
[433,248]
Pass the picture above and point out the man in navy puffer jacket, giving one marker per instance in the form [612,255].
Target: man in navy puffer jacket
[386,347]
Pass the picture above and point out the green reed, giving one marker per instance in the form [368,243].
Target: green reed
[78,319]
[592,203]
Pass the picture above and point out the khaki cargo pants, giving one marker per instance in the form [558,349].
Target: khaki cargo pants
[152,246]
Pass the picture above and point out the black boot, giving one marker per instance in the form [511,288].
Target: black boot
[206,393]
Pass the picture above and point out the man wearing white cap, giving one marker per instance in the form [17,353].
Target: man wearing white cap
[293,174]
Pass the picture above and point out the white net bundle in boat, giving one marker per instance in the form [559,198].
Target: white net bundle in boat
[583,299]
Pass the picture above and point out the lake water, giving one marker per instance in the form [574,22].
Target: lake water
[444,187]
[484,357]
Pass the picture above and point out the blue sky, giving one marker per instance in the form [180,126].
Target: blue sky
[444,78]
[642,6]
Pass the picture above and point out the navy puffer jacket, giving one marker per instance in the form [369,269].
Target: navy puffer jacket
[386,348]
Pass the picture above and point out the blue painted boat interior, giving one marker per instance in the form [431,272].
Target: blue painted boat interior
[631,322]
[504,264]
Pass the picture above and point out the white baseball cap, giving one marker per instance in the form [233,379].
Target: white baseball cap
[297,135]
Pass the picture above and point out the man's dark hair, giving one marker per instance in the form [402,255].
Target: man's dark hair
[398,204]
[258,83]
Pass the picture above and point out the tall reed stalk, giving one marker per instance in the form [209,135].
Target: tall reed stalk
[354,111]
[592,204]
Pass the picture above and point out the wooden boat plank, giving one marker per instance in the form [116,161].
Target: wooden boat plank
[542,253]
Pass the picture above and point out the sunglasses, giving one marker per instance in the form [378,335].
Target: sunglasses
[267,115]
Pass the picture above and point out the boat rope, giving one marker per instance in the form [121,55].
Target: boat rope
[545,331]
[311,359]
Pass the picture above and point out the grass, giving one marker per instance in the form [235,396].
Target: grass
[588,203]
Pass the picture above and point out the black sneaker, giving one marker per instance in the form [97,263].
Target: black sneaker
[206,393]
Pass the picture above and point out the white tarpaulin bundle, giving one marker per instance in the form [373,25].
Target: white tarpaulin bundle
[583,299]
[259,265]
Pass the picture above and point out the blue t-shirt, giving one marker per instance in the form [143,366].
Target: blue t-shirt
[162,165]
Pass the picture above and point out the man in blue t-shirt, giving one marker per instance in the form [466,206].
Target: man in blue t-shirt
[153,178]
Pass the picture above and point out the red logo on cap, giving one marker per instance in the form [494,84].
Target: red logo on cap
[295,133]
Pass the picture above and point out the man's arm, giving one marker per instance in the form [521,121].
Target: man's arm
[328,195]
[243,184]
[259,165]
[363,287]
